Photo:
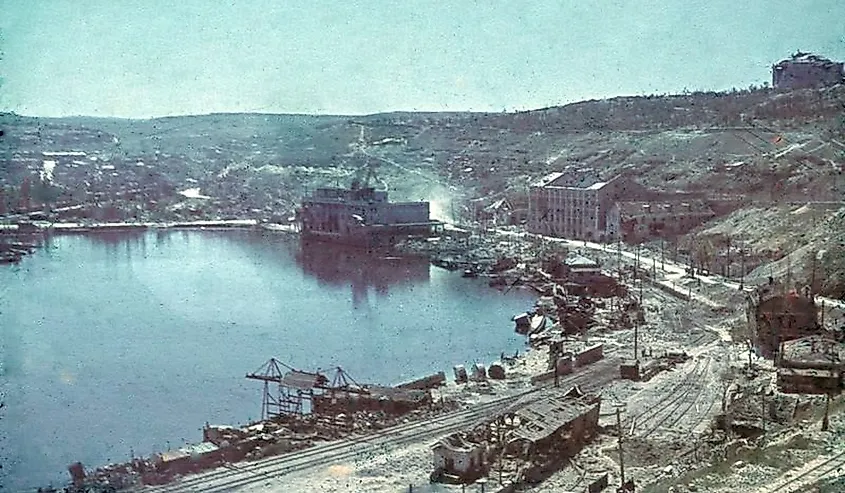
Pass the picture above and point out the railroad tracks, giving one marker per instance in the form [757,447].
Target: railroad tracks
[811,474]
[234,477]
[676,403]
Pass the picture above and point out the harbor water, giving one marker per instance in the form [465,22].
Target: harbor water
[128,343]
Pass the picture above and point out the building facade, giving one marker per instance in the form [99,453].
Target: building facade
[574,204]
[804,70]
[634,221]
[362,216]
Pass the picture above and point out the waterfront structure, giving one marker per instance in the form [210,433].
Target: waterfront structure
[363,216]
[804,70]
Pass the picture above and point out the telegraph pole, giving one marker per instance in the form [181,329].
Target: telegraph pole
[621,455]
[826,419]
[636,336]
[813,277]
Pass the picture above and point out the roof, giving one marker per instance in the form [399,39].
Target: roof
[807,372]
[815,349]
[580,261]
[584,178]
[808,58]
[544,417]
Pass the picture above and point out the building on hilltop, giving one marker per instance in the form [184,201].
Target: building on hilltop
[804,70]
[574,203]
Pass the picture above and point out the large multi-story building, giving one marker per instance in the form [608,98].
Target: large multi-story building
[804,70]
[574,203]
[363,216]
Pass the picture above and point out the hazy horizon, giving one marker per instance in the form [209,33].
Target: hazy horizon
[156,58]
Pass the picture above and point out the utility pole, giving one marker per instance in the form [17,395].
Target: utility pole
[621,455]
[662,256]
[813,277]
[636,336]
[826,419]
[619,256]
[729,257]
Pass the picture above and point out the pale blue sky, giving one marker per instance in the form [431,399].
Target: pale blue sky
[142,58]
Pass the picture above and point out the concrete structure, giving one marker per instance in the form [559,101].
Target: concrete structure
[804,70]
[811,365]
[363,216]
[458,457]
[641,220]
[775,316]
[574,203]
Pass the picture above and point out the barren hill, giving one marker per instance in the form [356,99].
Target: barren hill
[771,149]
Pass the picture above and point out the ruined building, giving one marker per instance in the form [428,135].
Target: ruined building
[640,220]
[804,70]
[776,316]
[811,365]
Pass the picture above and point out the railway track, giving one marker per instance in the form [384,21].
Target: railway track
[675,403]
[237,476]
[809,476]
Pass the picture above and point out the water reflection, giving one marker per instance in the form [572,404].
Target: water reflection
[337,265]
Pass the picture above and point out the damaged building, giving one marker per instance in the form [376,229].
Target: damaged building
[810,365]
[363,216]
[804,70]
[457,459]
[540,436]
[775,316]
[635,221]
[551,430]
[389,400]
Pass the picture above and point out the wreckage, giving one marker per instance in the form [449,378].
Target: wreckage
[530,440]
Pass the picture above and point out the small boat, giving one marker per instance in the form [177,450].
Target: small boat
[538,324]
[470,273]
[523,323]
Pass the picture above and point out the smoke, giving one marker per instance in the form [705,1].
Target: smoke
[47,172]
[443,200]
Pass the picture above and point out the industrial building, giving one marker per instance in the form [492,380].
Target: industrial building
[804,70]
[640,220]
[574,203]
[363,216]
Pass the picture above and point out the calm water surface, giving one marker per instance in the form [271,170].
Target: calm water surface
[114,344]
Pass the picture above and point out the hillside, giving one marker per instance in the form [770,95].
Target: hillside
[769,149]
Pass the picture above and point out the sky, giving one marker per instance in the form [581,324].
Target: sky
[147,58]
